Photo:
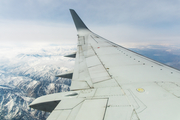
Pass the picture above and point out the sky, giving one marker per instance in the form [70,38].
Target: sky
[126,22]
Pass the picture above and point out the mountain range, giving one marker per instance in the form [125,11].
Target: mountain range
[29,72]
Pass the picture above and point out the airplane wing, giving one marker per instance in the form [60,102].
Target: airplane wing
[110,82]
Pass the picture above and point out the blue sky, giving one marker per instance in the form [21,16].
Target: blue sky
[122,21]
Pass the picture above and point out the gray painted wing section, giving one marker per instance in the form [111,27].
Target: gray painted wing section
[77,20]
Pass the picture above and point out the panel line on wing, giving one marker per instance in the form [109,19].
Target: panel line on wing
[94,39]
[95,67]
[100,61]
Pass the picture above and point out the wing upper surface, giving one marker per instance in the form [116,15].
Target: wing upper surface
[147,87]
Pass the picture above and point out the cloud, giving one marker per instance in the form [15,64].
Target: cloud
[131,35]
[111,10]
[28,31]
[135,21]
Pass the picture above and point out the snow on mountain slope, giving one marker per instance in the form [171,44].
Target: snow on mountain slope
[29,72]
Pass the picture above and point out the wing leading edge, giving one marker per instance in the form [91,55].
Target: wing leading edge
[112,82]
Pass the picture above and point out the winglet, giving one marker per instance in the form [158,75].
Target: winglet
[77,20]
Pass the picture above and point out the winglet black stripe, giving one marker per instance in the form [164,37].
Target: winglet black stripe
[77,21]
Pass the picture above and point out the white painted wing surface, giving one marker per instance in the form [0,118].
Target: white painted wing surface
[111,82]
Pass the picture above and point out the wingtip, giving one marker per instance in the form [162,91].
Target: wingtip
[71,9]
[77,20]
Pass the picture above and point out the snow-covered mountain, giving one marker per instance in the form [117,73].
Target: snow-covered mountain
[27,73]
